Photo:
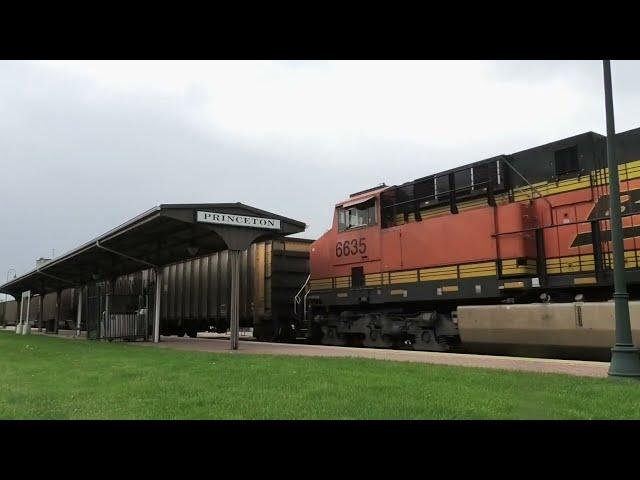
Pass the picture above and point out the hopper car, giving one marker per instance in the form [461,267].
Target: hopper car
[195,295]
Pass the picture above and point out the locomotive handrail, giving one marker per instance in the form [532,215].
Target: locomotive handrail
[466,188]
[527,181]
[297,300]
[444,193]
[304,305]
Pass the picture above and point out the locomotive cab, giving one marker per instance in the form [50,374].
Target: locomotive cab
[353,244]
[361,215]
[357,223]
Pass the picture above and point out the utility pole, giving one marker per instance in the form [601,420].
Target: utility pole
[625,358]
[4,306]
[14,276]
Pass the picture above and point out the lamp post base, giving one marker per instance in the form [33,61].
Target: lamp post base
[625,361]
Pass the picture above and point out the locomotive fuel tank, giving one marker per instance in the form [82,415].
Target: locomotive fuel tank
[576,324]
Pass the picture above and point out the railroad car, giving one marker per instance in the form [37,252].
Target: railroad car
[195,297]
[68,300]
[196,293]
[511,250]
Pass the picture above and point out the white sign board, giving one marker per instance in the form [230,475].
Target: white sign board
[238,220]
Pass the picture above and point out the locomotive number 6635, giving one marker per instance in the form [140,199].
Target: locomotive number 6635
[351,247]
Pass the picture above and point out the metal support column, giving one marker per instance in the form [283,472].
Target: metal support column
[24,327]
[19,314]
[156,307]
[79,312]
[107,313]
[234,263]
[625,358]
[41,321]
[58,310]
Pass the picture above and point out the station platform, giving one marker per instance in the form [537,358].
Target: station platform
[541,365]
[219,343]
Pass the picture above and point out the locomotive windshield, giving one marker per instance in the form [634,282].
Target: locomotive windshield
[360,215]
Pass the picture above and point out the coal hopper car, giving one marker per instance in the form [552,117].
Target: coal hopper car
[46,315]
[195,294]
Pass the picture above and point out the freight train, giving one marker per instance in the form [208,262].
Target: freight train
[509,253]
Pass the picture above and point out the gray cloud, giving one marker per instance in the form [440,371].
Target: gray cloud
[586,76]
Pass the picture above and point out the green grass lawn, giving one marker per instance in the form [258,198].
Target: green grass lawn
[54,378]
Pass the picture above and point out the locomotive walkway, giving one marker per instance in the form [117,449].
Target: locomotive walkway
[541,365]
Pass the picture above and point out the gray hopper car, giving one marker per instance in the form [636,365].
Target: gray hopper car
[195,293]
[68,305]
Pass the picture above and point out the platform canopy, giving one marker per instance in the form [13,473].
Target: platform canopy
[162,235]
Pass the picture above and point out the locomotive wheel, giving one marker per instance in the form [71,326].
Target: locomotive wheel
[375,339]
[427,341]
[193,333]
[257,333]
[332,337]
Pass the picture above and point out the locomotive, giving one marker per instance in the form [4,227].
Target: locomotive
[511,251]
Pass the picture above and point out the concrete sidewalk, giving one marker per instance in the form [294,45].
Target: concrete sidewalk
[221,345]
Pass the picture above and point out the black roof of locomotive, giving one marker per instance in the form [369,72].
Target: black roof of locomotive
[628,148]
[555,145]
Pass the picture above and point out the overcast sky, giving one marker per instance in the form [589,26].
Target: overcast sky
[85,146]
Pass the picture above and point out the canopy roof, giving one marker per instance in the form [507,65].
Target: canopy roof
[162,235]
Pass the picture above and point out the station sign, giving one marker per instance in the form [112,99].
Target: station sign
[238,220]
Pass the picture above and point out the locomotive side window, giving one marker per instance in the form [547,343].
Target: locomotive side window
[566,161]
[361,215]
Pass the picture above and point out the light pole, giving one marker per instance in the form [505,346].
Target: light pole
[7,281]
[4,309]
[625,358]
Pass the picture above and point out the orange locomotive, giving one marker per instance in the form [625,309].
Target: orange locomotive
[400,262]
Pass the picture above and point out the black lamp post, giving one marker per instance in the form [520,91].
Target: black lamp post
[14,276]
[625,358]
